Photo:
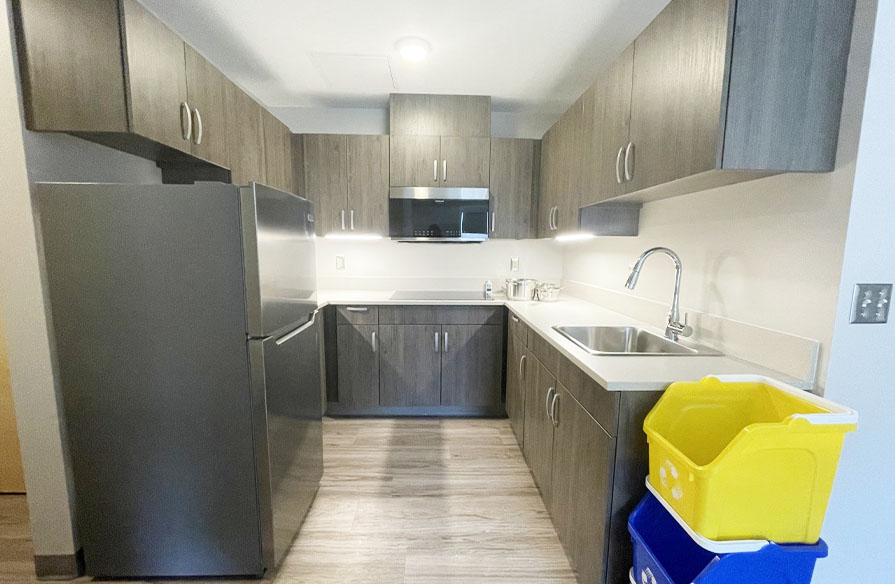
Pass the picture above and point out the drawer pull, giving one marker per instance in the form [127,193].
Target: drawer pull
[357,308]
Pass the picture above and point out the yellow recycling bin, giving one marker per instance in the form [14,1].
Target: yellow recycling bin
[746,457]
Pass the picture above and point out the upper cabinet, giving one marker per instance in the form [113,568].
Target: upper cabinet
[711,93]
[563,166]
[514,167]
[412,114]
[206,92]
[245,136]
[277,152]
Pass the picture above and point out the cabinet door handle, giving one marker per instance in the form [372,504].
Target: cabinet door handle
[629,161]
[444,170]
[553,410]
[197,139]
[547,403]
[352,220]
[445,342]
[514,317]
[493,221]
[522,368]
[436,341]
[357,308]
[186,112]
[373,338]
[435,170]
[343,219]
[618,165]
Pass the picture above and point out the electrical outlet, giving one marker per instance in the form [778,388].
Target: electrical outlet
[340,262]
[870,303]
[514,264]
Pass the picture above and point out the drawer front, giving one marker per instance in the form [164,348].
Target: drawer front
[357,314]
[441,315]
[544,351]
[601,404]
[518,328]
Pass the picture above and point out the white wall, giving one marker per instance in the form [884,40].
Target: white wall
[390,265]
[765,252]
[859,524]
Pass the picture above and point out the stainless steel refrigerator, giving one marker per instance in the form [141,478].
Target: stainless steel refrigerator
[187,347]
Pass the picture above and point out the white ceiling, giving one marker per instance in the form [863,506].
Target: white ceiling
[532,56]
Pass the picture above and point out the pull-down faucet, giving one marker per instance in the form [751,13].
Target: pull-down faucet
[674,328]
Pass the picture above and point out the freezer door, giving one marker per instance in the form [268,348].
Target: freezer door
[286,374]
[280,266]
[146,290]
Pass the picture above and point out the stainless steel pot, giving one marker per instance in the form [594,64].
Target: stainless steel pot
[520,288]
[546,292]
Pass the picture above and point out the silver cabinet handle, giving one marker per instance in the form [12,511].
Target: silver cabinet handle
[343,219]
[373,338]
[553,410]
[514,317]
[185,112]
[357,308]
[444,170]
[435,170]
[522,368]
[629,172]
[197,139]
[445,342]
[618,165]
[436,341]
[547,403]
[352,220]
[493,221]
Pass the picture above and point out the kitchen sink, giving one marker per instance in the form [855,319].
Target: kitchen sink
[628,340]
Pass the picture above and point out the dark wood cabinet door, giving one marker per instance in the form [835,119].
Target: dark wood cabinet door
[156,79]
[465,162]
[368,184]
[205,88]
[571,152]
[410,365]
[358,371]
[516,365]
[277,152]
[512,199]
[326,180]
[678,87]
[583,459]
[471,370]
[538,431]
[245,136]
[415,161]
[549,187]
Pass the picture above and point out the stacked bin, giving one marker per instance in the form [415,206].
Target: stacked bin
[741,469]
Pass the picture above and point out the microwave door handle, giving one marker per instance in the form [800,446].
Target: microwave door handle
[462,231]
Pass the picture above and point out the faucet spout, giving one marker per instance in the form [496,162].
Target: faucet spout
[674,327]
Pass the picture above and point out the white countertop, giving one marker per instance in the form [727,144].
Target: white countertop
[615,373]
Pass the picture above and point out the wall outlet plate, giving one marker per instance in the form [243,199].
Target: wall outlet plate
[340,262]
[870,303]
[514,264]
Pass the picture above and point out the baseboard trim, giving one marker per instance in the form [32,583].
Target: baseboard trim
[62,567]
[336,409]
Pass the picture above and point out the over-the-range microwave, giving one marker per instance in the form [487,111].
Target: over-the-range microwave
[439,214]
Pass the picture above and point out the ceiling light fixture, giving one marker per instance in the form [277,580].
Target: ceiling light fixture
[413,49]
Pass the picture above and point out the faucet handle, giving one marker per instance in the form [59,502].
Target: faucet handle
[686,330]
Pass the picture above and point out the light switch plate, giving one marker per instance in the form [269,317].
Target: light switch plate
[340,262]
[514,264]
[870,303]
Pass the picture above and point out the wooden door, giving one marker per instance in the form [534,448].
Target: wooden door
[571,167]
[277,152]
[414,161]
[410,364]
[245,137]
[156,79]
[358,364]
[465,162]
[549,183]
[583,459]
[611,122]
[512,204]
[12,478]
[326,180]
[678,86]
[205,88]
[516,376]
[538,430]
[471,371]
[368,184]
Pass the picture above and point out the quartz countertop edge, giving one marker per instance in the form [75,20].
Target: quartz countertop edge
[613,372]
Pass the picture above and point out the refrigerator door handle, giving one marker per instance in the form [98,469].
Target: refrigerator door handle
[291,335]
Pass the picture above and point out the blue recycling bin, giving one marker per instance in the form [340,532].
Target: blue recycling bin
[664,553]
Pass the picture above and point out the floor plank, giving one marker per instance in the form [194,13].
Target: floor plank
[412,501]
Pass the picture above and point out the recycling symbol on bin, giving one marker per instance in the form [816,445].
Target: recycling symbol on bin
[669,477]
[646,576]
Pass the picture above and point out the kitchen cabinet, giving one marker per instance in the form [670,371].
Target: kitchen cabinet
[471,372]
[410,365]
[562,173]
[206,93]
[358,364]
[538,428]
[439,115]
[433,161]
[513,189]
[245,136]
[277,152]
[347,178]
[515,392]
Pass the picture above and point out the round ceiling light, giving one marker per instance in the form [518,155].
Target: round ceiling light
[413,49]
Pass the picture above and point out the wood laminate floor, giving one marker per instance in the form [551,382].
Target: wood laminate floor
[414,501]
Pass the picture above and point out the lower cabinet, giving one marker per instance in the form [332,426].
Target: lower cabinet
[516,377]
[471,371]
[410,365]
[358,364]
[538,429]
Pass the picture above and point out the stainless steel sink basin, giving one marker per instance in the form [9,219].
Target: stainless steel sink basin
[628,340]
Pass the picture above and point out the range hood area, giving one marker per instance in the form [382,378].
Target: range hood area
[439,214]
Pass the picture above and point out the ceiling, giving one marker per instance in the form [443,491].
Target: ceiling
[534,56]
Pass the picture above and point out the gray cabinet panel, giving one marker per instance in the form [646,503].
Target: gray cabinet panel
[516,376]
[410,363]
[277,152]
[415,161]
[368,180]
[245,136]
[513,206]
[205,88]
[358,369]
[538,429]
[602,405]
[326,179]
[471,368]
[357,314]
[441,314]
[465,162]
[439,115]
